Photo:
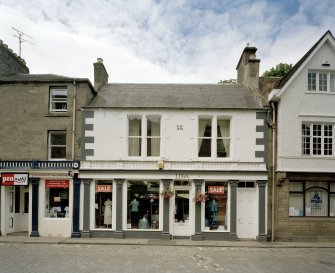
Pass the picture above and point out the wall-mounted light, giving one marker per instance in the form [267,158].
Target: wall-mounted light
[325,63]
[160,164]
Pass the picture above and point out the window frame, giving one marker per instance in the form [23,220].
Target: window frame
[322,81]
[53,100]
[214,138]
[50,146]
[143,137]
[315,142]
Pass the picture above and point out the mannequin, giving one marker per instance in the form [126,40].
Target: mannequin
[213,208]
[144,223]
[108,213]
[134,205]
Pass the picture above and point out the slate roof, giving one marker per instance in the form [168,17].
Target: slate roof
[175,96]
[289,74]
[37,78]
[32,78]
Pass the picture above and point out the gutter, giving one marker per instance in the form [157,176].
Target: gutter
[274,134]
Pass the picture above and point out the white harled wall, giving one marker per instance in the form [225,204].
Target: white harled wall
[297,105]
[110,132]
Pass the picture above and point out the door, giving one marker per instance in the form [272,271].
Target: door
[17,203]
[181,224]
[247,213]
[10,209]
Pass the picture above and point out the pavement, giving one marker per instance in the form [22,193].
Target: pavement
[158,242]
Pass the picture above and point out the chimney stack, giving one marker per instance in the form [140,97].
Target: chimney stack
[248,69]
[100,74]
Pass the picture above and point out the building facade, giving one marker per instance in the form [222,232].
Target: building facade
[303,128]
[173,160]
[40,140]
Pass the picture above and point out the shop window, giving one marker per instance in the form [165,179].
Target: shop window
[58,99]
[311,198]
[143,205]
[216,207]
[57,145]
[57,198]
[103,204]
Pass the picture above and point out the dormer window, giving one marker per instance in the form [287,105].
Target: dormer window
[58,99]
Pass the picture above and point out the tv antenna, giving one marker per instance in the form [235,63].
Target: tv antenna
[23,38]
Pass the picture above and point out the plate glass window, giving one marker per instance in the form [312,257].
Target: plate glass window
[58,100]
[57,145]
[103,204]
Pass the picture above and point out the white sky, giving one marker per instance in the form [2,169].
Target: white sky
[162,41]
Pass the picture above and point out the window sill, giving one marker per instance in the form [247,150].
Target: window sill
[320,92]
[311,218]
[58,114]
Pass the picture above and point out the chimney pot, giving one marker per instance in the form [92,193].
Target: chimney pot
[100,60]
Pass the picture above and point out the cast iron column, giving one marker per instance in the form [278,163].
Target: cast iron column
[262,210]
[34,208]
[86,233]
[166,212]
[233,208]
[76,207]
[197,217]
[119,209]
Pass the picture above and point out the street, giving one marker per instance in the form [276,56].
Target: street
[80,258]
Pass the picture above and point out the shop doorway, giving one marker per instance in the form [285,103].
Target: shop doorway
[181,222]
[247,212]
[17,209]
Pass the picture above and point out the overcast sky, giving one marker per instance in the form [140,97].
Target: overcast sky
[155,41]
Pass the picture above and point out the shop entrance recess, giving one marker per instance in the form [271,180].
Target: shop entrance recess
[181,204]
[17,204]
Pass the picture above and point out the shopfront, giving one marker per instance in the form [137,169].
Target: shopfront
[197,209]
[42,201]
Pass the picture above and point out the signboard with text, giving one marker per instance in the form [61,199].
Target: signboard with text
[57,184]
[215,189]
[103,188]
[14,179]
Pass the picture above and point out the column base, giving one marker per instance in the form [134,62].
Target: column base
[34,234]
[233,236]
[197,237]
[262,238]
[166,236]
[118,234]
[75,234]
[86,234]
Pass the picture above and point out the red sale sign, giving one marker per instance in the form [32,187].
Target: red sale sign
[216,189]
[14,179]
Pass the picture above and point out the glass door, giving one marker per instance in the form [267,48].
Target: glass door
[181,213]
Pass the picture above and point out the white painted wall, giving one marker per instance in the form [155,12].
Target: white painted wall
[110,132]
[297,105]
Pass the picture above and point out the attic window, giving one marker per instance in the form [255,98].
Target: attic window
[321,81]
[58,99]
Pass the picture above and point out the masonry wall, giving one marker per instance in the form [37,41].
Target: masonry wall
[25,119]
[10,63]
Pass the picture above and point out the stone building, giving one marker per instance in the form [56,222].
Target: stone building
[40,146]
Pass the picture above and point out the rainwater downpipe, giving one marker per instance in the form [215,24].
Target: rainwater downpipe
[274,132]
[74,119]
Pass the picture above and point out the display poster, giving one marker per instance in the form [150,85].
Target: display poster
[14,179]
[57,184]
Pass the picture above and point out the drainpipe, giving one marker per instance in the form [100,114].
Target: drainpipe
[74,118]
[274,132]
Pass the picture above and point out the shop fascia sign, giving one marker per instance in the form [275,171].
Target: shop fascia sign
[103,188]
[216,189]
[57,183]
[14,179]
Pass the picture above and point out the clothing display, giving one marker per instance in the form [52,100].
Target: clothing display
[108,212]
